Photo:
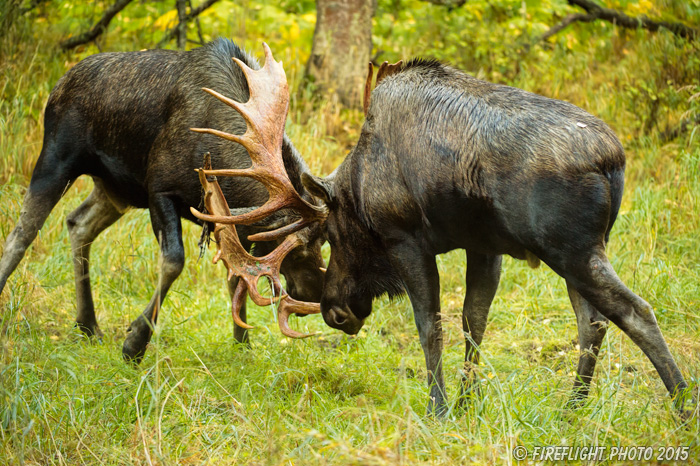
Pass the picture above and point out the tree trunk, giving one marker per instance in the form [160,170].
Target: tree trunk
[341,49]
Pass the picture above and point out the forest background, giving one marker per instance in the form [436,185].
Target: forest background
[199,399]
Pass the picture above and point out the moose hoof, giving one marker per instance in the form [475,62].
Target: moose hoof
[688,413]
[687,416]
[134,347]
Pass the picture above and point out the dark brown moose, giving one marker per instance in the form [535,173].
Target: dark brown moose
[446,161]
[125,119]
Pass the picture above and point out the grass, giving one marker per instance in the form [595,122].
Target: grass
[199,399]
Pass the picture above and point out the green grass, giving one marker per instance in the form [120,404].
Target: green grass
[199,399]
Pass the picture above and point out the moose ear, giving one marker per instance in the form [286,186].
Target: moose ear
[318,187]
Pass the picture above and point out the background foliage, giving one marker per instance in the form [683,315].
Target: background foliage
[197,398]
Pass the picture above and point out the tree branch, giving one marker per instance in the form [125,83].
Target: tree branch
[98,28]
[199,26]
[572,18]
[448,3]
[619,18]
[194,12]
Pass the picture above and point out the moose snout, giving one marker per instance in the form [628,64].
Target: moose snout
[342,319]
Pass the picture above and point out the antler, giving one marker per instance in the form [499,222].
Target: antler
[384,70]
[265,114]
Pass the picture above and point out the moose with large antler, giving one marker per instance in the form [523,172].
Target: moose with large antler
[446,161]
[125,119]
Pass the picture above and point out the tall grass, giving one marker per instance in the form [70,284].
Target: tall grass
[199,399]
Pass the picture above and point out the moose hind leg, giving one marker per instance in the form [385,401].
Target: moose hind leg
[50,180]
[85,223]
[592,327]
[598,284]
[168,229]
[483,275]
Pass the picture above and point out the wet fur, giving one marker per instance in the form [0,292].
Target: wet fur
[125,119]
[447,161]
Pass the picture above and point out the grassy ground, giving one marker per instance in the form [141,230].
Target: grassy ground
[199,399]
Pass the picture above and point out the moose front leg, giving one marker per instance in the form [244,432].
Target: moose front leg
[483,275]
[419,273]
[240,334]
[168,230]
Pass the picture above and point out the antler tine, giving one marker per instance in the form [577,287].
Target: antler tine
[237,301]
[269,58]
[385,69]
[289,306]
[368,88]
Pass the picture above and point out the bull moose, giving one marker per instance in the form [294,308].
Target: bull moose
[124,119]
[447,161]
